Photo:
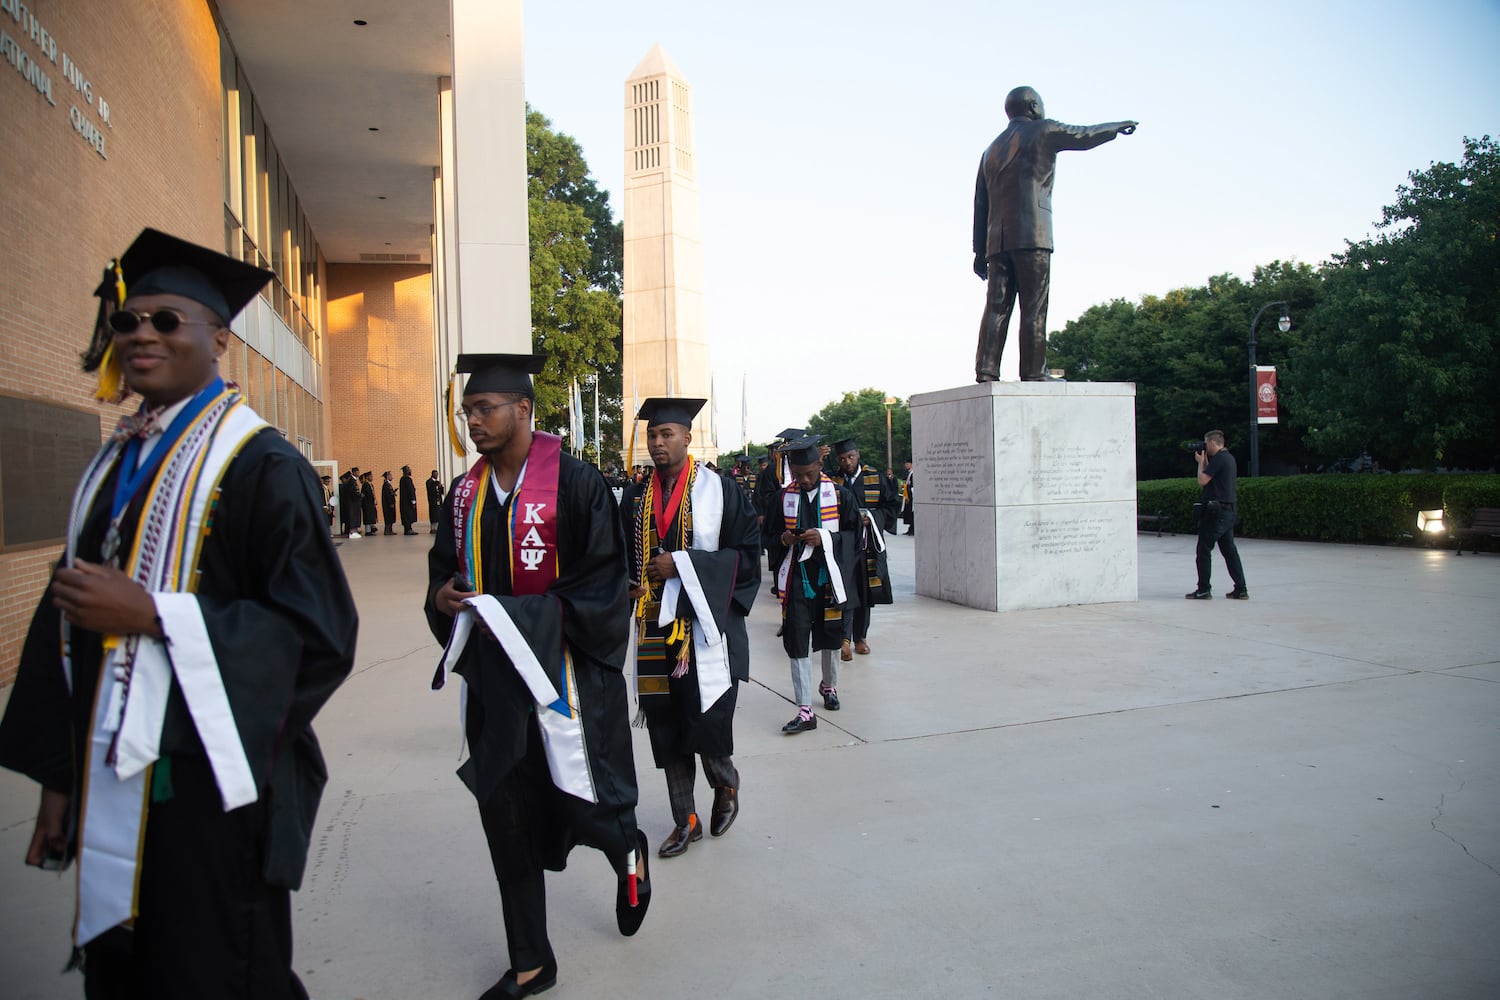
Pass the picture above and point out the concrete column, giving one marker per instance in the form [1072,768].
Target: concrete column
[484,174]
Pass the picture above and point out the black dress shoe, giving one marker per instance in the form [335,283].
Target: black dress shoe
[800,725]
[508,987]
[629,918]
[726,808]
[678,840]
[830,699]
[1200,595]
[1238,594]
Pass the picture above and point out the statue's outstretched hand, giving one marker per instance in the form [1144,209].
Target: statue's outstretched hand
[981,266]
[1128,128]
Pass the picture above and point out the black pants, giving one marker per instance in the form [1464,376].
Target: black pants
[857,624]
[1026,273]
[1217,526]
[681,777]
[209,925]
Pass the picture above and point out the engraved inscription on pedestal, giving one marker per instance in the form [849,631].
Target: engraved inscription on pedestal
[952,472]
[1064,537]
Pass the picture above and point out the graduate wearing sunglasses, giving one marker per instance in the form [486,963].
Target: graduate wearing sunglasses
[195,625]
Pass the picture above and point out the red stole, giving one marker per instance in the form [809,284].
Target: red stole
[533,519]
[531,528]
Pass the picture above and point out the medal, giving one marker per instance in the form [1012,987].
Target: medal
[111,547]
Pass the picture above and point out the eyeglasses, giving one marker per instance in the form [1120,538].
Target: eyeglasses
[162,321]
[483,410]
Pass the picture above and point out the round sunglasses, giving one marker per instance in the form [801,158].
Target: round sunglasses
[162,320]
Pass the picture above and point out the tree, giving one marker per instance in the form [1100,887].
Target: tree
[1185,351]
[861,415]
[1405,360]
[576,252]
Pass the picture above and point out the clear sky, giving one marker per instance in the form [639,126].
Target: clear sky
[837,145]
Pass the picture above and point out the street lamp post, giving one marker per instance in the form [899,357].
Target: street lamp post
[1283,324]
[890,464]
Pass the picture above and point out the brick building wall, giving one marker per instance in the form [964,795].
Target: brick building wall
[379,353]
[65,208]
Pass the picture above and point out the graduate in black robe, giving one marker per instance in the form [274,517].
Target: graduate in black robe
[817,591]
[367,501]
[434,500]
[213,905]
[880,504]
[349,503]
[408,501]
[728,573]
[388,502]
[531,823]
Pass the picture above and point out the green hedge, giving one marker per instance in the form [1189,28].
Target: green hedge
[1339,507]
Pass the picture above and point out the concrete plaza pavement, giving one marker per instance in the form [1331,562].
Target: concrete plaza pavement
[1294,796]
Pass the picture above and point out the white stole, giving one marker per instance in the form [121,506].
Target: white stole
[111,820]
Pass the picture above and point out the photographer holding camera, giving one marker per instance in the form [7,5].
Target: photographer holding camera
[1215,510]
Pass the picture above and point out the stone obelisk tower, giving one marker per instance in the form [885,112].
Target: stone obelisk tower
[665,343]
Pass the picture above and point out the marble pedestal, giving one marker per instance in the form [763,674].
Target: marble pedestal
[1025,494]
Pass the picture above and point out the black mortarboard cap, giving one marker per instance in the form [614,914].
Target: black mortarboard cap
[500,372]
[158,264]
[790,434]
[669,410]
[844,445]
[803,451]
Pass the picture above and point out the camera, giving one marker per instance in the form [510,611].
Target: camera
[1195,446]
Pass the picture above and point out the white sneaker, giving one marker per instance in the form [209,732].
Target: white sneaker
[355,534]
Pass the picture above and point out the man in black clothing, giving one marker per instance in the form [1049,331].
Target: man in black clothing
[434,499]
[388,502]
[1216,474]
[408,501]
[166,690]
[349,504]
[367,501]
[876,503]
[530,549]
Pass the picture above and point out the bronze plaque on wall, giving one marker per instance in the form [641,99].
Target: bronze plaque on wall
[43,451]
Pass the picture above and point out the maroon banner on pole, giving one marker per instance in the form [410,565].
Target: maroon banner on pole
[1265,394]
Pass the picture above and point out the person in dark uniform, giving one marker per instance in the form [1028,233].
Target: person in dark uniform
[408,501]
[692,545]
[526,588]
[434,499]
[1216,474]
[388,502]
[367,501]
[876,503]
[349,504]
[815,554]
[167,686]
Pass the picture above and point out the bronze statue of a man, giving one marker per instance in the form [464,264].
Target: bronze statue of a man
[1013,227]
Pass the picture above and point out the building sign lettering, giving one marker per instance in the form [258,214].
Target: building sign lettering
[31,63]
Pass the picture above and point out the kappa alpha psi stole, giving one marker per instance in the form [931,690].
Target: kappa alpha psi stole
[531,526]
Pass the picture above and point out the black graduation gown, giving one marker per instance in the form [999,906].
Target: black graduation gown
[349,505]
[871,493]
[282,623]
[730,578]
[800,612]
[408,501]
[367,502]
[586,607]
[434,499]
[388,502]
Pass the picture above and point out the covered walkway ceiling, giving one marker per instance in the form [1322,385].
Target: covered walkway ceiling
[323,84]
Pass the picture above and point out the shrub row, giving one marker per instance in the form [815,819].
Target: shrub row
[1331,507]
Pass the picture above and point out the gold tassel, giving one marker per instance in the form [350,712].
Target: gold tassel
[454,438]
[111,379]
[110,382]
